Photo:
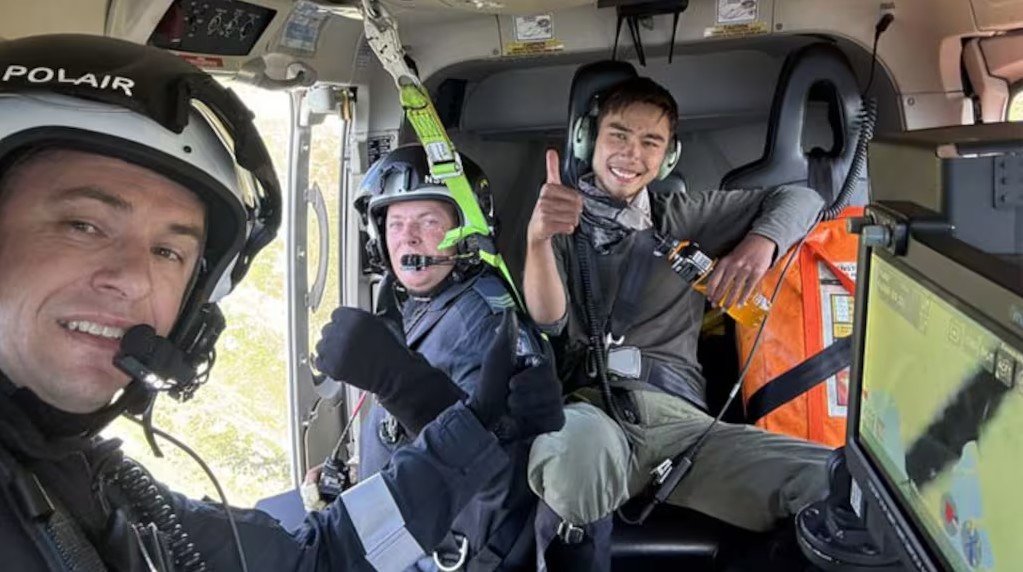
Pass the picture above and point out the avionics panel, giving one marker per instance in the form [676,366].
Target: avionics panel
[217,27]
[941,417]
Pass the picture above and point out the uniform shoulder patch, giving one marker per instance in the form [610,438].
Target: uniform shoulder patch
[495,293]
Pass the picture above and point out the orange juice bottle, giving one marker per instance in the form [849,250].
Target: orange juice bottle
[751,314]
[693,266]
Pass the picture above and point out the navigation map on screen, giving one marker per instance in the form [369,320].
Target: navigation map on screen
[942,416]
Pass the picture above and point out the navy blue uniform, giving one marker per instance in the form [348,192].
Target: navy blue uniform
[453,330]
[384,523]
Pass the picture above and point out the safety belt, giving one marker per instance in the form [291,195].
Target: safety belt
[516,527]
[799,379]
[810,372]
[818,174]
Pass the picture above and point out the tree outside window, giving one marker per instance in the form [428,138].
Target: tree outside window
[1016,104]
[238,421]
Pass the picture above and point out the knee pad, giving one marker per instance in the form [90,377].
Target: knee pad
[582,471]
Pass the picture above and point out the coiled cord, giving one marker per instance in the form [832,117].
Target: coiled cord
[143,494]
[866,118]
[145,497]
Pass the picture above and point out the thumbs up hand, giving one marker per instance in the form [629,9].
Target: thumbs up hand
[557,208]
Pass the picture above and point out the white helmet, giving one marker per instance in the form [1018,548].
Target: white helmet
[404,175]
[151,108]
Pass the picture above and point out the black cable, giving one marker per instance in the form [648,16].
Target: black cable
[596,341]
[216,484]
[866,119]
[637,40]
[879,28]
[674,32]
[681,464]
[618,33]
[753,350]
[147,428]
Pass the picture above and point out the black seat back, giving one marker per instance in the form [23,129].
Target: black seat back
[819,72]
[674,183]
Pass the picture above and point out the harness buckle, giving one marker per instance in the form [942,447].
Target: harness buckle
[389,431]
[661,472]
[463,553]
[570,533]
[611,341]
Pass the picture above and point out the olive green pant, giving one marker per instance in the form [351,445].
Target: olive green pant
[743,475]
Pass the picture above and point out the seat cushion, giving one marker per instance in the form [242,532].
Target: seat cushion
[673,538]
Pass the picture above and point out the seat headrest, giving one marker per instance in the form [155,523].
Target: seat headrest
[816,69]
[588,82]
[674,183]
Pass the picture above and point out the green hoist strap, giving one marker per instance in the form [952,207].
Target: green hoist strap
[445,163]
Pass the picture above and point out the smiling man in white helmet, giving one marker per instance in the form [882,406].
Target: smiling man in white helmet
[134,193]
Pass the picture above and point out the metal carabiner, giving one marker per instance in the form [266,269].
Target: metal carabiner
[463,553]
[381,32]
[610,340]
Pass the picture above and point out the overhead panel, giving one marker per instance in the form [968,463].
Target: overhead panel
[489,6]
[217,27]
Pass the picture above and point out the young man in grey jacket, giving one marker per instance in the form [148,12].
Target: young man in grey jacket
[647,315]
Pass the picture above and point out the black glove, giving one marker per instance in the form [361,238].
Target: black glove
[360,349]
[535,403]
[516,399]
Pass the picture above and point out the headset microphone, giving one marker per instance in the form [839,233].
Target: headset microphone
[422,261]
[153,360]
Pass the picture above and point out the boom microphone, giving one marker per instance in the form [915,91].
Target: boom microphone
[422,261]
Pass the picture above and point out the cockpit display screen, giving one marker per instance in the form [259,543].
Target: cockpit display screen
[941,418]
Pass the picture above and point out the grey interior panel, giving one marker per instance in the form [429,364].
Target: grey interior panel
[710,88]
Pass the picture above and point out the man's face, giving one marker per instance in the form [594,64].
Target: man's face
[89,246]
[417,227]
[631,144]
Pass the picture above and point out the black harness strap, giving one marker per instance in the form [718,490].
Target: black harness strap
[636,274]
[514,530]
[46,520]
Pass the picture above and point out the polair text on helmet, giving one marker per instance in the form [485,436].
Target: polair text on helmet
[45,75]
